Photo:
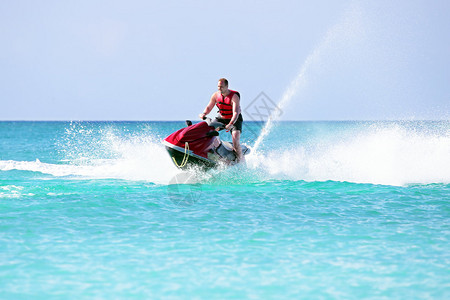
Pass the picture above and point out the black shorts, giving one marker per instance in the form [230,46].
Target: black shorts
[237,125]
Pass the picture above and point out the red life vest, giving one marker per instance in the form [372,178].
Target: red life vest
[225,105]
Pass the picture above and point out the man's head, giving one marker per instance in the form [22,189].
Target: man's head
[222,86]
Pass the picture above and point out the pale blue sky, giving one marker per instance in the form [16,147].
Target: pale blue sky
[160,60]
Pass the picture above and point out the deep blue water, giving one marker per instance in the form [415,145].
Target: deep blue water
[323,210]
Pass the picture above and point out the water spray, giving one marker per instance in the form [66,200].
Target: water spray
[348,28]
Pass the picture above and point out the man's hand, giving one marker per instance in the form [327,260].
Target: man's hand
[202,116]
[229,126]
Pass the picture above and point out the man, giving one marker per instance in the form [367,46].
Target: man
[228,102]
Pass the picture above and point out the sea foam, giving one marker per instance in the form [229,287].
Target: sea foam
[390,155]
[104,154]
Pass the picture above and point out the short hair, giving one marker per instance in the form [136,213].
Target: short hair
[224,81]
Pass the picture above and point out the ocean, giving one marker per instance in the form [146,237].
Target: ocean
[322,210]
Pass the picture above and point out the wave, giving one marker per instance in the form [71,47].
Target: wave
[388,155]
[104,154]
[127,169]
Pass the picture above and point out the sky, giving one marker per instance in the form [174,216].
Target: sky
[160,60]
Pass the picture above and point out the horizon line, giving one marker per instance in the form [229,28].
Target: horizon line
[256,121]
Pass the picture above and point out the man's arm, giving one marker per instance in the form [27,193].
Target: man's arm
[236,101]
[209,107]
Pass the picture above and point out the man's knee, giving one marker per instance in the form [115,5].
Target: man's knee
[236,139]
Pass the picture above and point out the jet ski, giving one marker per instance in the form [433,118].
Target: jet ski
[199,146]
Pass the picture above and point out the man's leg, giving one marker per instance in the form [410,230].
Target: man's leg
[236,136]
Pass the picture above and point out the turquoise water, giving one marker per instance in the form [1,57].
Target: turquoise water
[323,210]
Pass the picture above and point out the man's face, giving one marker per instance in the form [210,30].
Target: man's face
[222,87]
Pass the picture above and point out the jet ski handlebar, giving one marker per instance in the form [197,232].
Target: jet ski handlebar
[214,123]
[210,122]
